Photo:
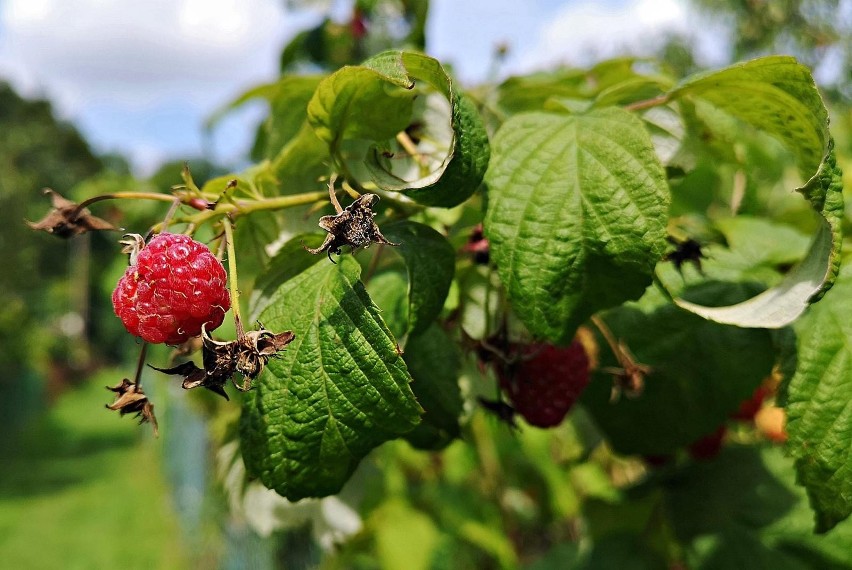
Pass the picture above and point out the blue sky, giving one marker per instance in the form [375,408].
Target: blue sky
[140,78]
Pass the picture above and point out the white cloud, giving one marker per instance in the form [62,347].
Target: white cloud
[84,51]
[139,77]
[117,67]
[581,33]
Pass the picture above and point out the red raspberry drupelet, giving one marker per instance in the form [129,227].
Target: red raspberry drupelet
[176,286]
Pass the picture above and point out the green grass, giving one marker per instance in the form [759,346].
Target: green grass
[83,488]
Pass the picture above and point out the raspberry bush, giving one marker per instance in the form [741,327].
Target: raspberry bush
[611,253]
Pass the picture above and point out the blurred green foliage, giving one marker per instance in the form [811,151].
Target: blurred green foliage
[78,490]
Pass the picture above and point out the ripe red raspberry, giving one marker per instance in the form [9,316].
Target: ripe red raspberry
[545,381]
[709,446]
[176,286]
[749,408]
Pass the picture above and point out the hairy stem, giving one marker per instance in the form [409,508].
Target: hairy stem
[125,196]
[140,365]
[232,276]
[243,207]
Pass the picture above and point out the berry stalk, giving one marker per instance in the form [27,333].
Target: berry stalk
[232,276]
[244,207]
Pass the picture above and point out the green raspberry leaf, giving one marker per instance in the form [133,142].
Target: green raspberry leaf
[700,371]
[461,170]
[576,215]
[357,102]
[774,94]
[431,263]
[339,390]
[819,414]
[778,95]
[759,517]
[434,361]
[288,262]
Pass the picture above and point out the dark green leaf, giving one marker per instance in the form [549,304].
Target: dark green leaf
[700,372]
[339,390]
[251,237]
[744,510]
[622,551]
[430,261]
[434,362]
[389,290]
[288,111]
[288,262]
[576,215]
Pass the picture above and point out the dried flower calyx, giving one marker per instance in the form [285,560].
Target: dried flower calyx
[247,355]
[686,251]
[352,226]
[67,219]
[130,399]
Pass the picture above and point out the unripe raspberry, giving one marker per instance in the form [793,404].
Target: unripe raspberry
[175,286]
[771,421]
[545,382]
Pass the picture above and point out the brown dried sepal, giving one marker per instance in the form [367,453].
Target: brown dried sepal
[686,251]
[67,219]
[255,349]
[629,379]
[503,411]
[247,355]
[353,226]
[218,363]
[130,399]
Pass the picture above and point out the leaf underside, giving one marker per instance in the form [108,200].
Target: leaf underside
[778,95]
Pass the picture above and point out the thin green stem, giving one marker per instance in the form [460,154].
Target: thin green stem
[125,196]
[243,207]
[232,276]
[374,264]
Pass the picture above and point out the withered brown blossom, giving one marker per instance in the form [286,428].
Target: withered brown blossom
[247,355]
[686,251]
[130,399]
[503,411]
[67,219]
[353,226]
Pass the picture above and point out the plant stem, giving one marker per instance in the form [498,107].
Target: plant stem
[648,103]
[405,142]
[170,214]
[243,207]
[125,196]
[608,337]
[140,365]
[232,276]
[332,194]
[374,264]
